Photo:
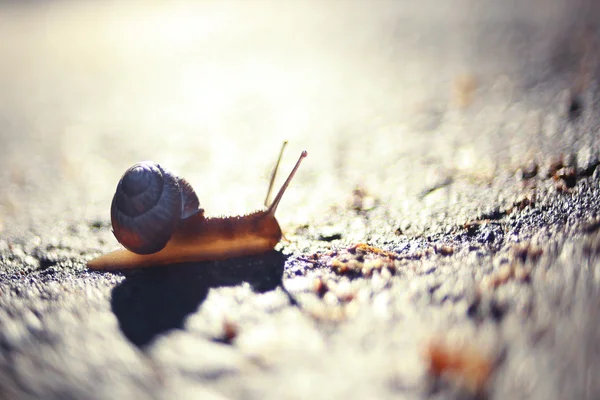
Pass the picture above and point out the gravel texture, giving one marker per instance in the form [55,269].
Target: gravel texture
[443,233]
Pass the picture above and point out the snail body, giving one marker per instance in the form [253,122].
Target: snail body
[175,229]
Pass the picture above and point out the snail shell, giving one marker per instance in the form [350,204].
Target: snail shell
[148,204]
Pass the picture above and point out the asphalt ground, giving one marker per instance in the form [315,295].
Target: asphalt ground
[443,232]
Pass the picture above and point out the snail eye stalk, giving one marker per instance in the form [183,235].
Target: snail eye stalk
[273,207]
[274,174]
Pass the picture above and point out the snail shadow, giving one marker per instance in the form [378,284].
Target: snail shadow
[150,302]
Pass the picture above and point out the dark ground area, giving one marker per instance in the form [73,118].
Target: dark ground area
[444,230]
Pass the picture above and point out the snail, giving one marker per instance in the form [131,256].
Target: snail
[157,217]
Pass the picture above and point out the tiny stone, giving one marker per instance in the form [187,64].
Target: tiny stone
[330,233]
[596,174]
[570,160]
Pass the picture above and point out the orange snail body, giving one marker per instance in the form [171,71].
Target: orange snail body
[194,237]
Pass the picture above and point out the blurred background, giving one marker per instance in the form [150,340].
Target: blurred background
[385,95]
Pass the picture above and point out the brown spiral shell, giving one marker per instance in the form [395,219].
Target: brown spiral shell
[147,206]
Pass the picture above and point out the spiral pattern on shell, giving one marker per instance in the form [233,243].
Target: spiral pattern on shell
[147,206]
